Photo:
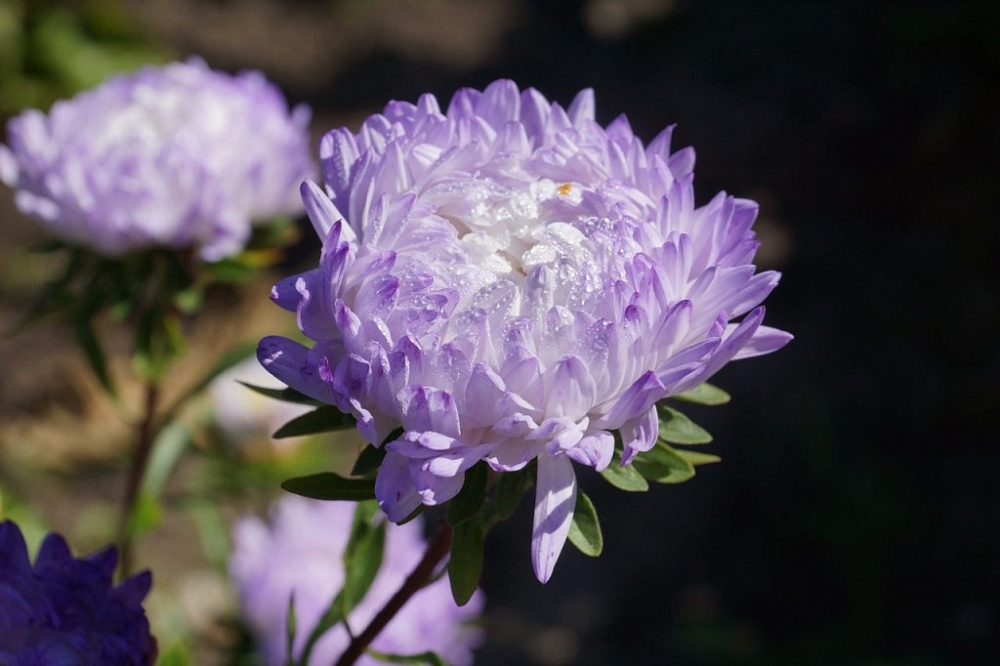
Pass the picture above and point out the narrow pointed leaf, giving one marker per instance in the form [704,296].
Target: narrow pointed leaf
[362,555]
[662,464]
[676,428]
[697,457]
[470,499]
[368,461]
[90,345]
[285,394]
[321,419]
[705,394]
[466,564]
[331,486]
[625,478]
[585,530]
[424,658]
[331,616]
[290,631]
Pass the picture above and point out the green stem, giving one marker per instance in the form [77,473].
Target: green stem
[436,551]
[140,457]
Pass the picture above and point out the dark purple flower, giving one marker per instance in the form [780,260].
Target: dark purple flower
[65,611]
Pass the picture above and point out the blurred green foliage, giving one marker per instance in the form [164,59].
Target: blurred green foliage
[54,48]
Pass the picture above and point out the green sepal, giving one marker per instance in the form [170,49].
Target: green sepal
[704,394]
[585,529]
[425,658]
[677,428]
[368,461]
[321,419]
[466,564]
[468,502]
[284,394]
[332,487]
[663,464]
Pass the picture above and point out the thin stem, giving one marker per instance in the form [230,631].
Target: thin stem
[438,547]
[140,457]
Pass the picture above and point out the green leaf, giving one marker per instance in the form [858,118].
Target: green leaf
[679,429]
[368,461]
[624,478]
[334,613]
[466,564]
[283,394]
[705,394]
[585,530]
[697,457]
[331,486]
[469,500]
[362,555]
[509,491]
[426,658]
[662,464]
[168,447]
[321,419]
[290,631]
[90,345]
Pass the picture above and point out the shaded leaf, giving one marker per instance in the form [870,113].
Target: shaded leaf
[368,461]
[90,345]
[705,394]
[585,530]
[509,491]
[470,499]
[290,631]
[321,419]
[331,616]
[284,394]
[426,658]
[466,564]
[662,464]
[624,478]
[362,555]
[677,428]
[331,486]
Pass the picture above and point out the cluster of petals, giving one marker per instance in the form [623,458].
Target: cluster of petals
[509,281]
[294,555]
[176,156]
[64,610]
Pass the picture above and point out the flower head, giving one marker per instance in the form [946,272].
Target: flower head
[65,610]
[509,281]
[299,553]
[175,156]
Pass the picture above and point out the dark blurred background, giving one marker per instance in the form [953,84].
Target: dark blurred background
[855,518]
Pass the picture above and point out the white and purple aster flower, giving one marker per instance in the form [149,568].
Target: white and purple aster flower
[299,552]
[509,281]
[65,610]
[175,156]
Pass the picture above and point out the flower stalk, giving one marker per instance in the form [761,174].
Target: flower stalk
[436,551]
